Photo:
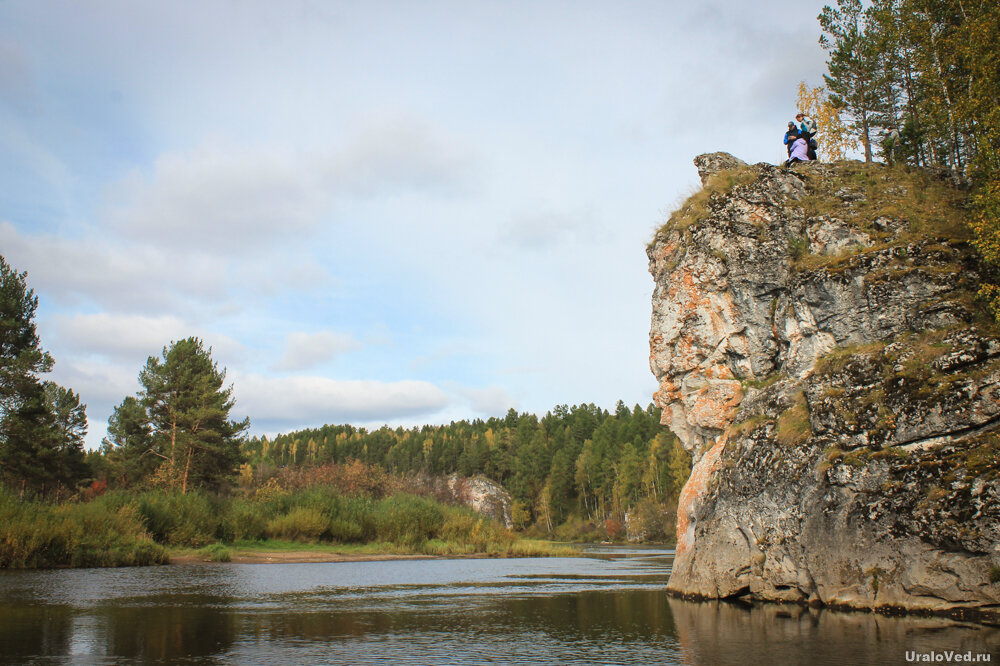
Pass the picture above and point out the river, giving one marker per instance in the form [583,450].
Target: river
[606,608]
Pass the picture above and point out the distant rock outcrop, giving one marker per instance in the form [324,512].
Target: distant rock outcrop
[820,353]
[478,493]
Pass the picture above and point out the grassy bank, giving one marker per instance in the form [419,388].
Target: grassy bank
[271,550]
[122,529]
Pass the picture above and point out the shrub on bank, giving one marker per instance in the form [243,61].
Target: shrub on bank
[300,524]
[93,534]
[407,520]
[243,520]
[468,527]
[177,519]
[121,528]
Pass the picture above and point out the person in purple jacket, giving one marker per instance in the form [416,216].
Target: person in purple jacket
[798,153]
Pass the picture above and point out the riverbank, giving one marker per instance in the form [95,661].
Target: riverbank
[277,551]
[151,527]
[298,557]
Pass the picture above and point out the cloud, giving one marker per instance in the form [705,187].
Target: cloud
[17,87]
[394,152]
[130,276]
[227,198]
[490,401]
[543,229]
[131,336]
[304,400]
[221,197]
[308,350]
[100,385]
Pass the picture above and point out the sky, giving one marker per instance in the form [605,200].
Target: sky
[373,212]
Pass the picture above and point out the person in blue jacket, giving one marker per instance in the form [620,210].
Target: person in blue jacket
[791,134]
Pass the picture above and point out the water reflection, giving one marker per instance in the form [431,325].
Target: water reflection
[727,633]
[610,609]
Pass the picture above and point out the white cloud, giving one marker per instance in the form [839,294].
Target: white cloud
[395,152]
[101,386]
[134,276]
[542,229]
[304,400]
[224,198]
[131,336]
[490,401]
[308,350]
[220,198]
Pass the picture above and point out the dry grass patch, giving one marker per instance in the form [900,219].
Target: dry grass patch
[859,194]
[696,207]
[793,424]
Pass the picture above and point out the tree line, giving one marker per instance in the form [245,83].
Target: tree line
[574,463]
[42,424]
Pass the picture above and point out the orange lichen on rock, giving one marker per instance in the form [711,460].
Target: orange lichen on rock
[715,405]
[692,493]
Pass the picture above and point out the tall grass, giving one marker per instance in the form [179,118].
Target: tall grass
[102,533]
[120,528]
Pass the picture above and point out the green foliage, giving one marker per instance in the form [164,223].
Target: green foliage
[407,520]
[177,430]
[42,425]
[852,65]
[178,519]
[798,247]
[467,527]
[574,462]
[98,533]
[928,69]
[243,520]
[128,445]
[300,524]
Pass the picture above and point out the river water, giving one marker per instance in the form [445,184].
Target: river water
[606,608]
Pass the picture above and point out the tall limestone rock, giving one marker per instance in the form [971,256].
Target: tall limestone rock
[820,353]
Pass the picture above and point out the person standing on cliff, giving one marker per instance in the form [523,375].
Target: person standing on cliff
[807,130]
[892,146]
[791,134]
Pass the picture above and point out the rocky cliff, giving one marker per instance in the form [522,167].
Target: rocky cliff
[820,352]
[478,493]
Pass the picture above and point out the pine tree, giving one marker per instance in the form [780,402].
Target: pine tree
[42,425]
[128,446]
[188,408]
[853,65]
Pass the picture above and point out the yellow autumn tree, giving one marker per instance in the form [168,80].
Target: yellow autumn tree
[834,138]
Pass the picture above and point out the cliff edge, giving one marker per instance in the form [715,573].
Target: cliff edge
[820,353]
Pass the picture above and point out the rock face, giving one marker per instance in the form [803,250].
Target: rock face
[820,353]
[478,492]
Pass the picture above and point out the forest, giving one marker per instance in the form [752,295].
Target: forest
[581,468]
